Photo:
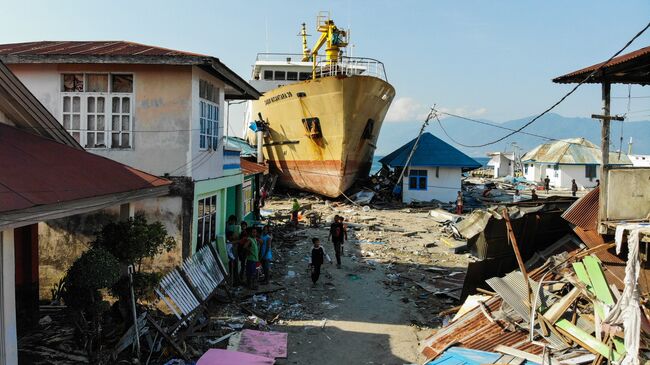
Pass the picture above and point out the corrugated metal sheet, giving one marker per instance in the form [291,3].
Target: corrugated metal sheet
[38,171]
[584,212]
[252,168]
[89,48]
[639,56]
[431,152]
[571,151]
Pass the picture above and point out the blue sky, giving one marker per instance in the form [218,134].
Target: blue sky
[488,59]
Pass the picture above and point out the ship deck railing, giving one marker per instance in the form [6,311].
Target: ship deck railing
[345,66]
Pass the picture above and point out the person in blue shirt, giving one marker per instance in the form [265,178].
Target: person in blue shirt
[266,253]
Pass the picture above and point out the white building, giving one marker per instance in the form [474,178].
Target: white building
[156,109]
[503,163]
[640,160]
[434,172]
[565,160]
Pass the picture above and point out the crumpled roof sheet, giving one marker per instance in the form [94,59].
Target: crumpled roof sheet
[38,171]
[584,212]
[571,151]
[252,168]
[89,48]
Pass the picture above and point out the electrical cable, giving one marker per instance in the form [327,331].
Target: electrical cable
[592,73]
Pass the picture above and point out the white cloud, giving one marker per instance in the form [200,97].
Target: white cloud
[405,109]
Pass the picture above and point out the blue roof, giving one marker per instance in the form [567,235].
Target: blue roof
[431,152]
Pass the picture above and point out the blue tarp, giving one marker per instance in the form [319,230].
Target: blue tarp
[431,152]
[463,356]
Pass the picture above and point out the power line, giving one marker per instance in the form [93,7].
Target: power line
[518,130]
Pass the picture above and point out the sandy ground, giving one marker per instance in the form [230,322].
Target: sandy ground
[363,313]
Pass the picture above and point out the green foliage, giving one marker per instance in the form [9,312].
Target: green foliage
[133,240]
[93,270]
[143,285]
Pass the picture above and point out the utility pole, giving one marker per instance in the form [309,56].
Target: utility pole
[415,146]
[606,118]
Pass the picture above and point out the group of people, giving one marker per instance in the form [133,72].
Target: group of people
[249,253]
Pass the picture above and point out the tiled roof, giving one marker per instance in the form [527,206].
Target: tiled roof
[90,48]
[430,152]
[38,171]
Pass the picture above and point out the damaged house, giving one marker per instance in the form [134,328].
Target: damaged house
[46,175]
[156,109]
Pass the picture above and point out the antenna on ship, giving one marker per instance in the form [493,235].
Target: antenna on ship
[303,33]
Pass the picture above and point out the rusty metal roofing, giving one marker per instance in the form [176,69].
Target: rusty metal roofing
[123,52]
[90,48]
[630,68]
[251,168]
[572,151]
[584,212]
[37,171]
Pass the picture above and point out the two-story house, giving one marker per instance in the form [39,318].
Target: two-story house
[156,109]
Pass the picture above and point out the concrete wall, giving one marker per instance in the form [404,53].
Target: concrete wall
[628,193]
[534,172]
[8,328]
[577,172]
[444,188]
[62,241]
[162,109]
[209,164]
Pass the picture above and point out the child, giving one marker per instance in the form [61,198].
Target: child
[265,253]
[232,259]
[317,258]
[252,259]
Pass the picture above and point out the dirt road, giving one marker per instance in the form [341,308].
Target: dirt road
[357,319]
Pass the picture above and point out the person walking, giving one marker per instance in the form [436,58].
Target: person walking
[547,183]
[317,258]
[574,187]
[338,235]
[459,203]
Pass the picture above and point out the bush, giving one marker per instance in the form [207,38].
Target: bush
[95,269]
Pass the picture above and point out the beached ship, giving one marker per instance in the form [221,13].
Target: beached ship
[320,115]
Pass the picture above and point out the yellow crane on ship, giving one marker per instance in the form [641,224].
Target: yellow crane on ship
[330,35]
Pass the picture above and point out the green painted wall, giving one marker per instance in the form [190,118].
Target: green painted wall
[218,187]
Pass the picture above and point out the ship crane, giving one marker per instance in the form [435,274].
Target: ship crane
[331,35]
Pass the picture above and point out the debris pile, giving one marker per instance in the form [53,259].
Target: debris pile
[563,310]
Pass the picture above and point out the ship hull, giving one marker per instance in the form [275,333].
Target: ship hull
[349,111]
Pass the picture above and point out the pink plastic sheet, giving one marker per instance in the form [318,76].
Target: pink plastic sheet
[269,344]
[227,357]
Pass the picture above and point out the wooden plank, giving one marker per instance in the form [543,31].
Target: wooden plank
[559,308]
[581,273]
[598,281]
[522,354]
[585,340]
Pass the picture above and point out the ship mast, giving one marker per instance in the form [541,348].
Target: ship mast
[333,37]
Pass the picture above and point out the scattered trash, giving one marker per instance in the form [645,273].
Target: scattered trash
[291,274]
[353,277]
[45,321]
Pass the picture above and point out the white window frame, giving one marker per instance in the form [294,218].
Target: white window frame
[108,111]
[208,125]
[207,222]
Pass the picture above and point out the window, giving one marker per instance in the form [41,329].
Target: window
[590,172]
[525,168]
[312,126]
[418,180]
[268,75]
[209,126]
[304,76]
[247,192]
[292,75]
[208,91]
[96,112]
[207,221]
[279,75]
